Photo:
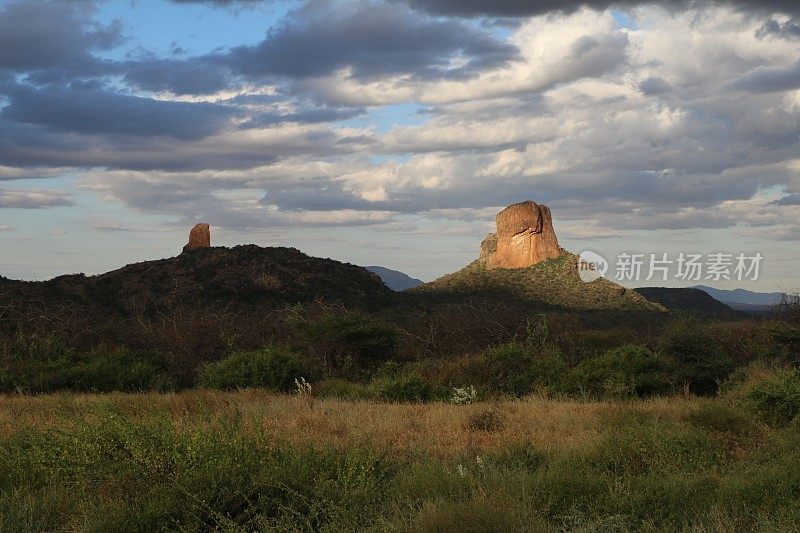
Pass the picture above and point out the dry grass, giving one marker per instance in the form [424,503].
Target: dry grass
[439,429]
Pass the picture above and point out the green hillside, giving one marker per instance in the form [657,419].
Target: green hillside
[551,284]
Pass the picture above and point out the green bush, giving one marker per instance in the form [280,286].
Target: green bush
[517,369]
[351,340]
[628,371]
[725,419]
[406,388]
[119,370]
[701,365]
[270,368]
[776,399]
[45,365]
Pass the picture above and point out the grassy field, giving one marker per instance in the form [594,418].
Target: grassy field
[250,460]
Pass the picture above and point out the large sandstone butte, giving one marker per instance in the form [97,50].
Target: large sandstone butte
[525,237]
[199,237]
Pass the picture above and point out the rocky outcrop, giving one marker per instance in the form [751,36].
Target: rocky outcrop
[199,237]
[525,237]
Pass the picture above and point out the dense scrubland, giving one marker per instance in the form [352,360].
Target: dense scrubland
[460,412]
[392,355]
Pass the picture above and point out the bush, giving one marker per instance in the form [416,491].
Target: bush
[351,340]
[403,388]
[516,369]
[776,399]
[45,365]
[119,370]
[721,418]
[625,372]
[701,366]
[270,368]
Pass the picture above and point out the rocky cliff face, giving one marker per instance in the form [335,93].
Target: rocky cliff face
[525,237]
[199,237]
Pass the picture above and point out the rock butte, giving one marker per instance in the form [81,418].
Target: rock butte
[525,237]
[199,237]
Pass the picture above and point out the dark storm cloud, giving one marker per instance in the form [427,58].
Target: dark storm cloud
[373,38]
[189,76]
[527,8]
[769,79]
[96,111]
[57,35]
[654,85]
[786,30]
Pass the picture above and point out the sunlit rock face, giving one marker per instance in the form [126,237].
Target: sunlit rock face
[199,237]
[525,237]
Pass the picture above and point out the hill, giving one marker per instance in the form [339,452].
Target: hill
[689,300]
[553,284]
[742,296]
[242,275]
[394,279]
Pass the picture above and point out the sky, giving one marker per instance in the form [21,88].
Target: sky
[391,132]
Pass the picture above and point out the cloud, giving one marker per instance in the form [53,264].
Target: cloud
[30,199]
[93,110]
[787,29]
[654,85]
[789,199]
[528,8]
[766,79]
[643,127]
[110,226]
[178,76]
[54,35]
[369,39]
[5,227]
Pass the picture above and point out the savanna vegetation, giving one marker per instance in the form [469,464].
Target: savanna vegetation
[460,412]
[251,460]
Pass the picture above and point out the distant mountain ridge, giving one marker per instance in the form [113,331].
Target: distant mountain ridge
[689,300]
[742,296]
[394,279]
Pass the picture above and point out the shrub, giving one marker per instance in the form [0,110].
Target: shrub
[725,419]
[701,366]
[46,366]
[625,372]
[776,399]
[352,338]
[119,370]
[403,388]
[516,369]
[271,368]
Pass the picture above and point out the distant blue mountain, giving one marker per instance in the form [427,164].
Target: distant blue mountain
[395,280]
[742,296]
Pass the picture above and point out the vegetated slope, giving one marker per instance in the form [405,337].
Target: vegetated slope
[246,275]
[689,300]
[394,279]
[553,284]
